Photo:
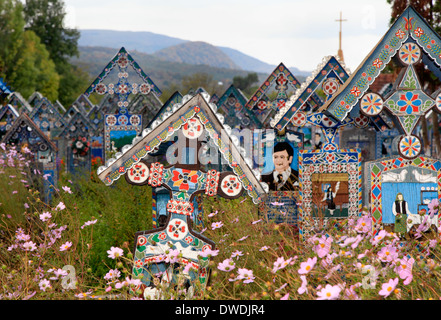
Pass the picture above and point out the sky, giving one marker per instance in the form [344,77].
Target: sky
[298,33]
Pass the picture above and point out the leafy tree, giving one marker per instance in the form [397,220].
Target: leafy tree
[245,83]
[24,61]
[11,31]
[33,70]
[73,82]
[197,80]
[45,18]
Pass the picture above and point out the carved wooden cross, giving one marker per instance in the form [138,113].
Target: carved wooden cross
[184,179]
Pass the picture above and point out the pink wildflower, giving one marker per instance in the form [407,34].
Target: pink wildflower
[280,263]
[282,287]
[303,288]
[171,255]
[323,246]
[329,292]
[380,236]
[246,275]
[364,224]
[60,206]
[209,253]
[226,265]
[351,294]
[404,269]
[29,246]
[66,246]
[388,253]
[45,216]
[306,267]
[44,284]
[243,238]
[115,252]
[112,274]
[212,214]
[329,259]
[216,225]
[237,254]
[89,223]
[433,206]
[67,189]
[388,287]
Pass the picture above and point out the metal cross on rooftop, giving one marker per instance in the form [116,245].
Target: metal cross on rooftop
[340,51]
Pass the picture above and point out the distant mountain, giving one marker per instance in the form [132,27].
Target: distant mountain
[163,73]
[197,52]
[142,41]
[179,50]
[249,63]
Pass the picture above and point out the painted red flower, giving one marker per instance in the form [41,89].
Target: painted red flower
[184,179]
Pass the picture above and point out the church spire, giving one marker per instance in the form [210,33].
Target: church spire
[340,51]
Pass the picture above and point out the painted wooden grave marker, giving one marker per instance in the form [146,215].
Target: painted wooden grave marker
[410,41]
[183,180]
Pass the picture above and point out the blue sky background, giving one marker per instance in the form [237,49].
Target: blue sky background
[298,33]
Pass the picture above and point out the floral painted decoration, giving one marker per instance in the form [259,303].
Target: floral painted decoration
[80,146]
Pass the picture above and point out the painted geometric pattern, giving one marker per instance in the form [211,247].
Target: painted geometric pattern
[409,53]
[378,168]
[410,146]
[280,70]
[374,64]
[151,249]
[315,161]
[167,107]
[414,102]
[429,40]
[46,116]
[143,150]
[371,104]
[333,67]
[122,63]
[329,128]
[232,105]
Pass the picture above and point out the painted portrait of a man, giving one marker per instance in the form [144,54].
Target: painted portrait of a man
[283,177]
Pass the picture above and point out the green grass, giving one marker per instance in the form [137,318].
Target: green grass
[234,225]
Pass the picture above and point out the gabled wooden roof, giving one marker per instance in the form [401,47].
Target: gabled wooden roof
[196,106]
[111,65]
[329,68]
[24,118]
[223,107]
[409,25]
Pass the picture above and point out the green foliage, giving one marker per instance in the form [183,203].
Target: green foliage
[73,82]
[245,83]
[204,80]
[121,210]
[11,30]
[45,18]
[32,69]
[36,48]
